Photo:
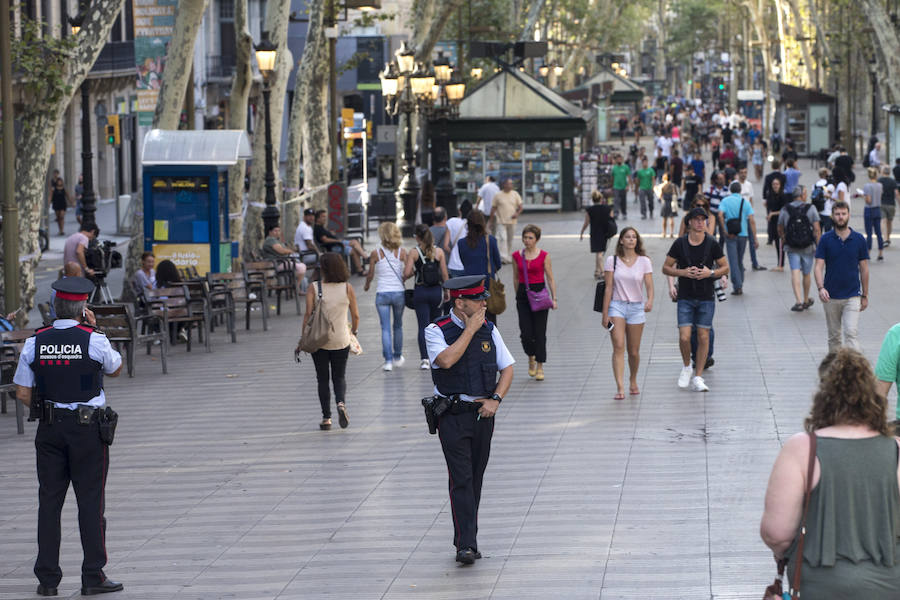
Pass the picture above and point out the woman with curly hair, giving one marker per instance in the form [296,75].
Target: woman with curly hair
[851,547]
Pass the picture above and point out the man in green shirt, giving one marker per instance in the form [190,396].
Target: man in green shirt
[621,174]
[887,369]
[643,187]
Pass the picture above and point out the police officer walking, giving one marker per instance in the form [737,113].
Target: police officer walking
[66,363]
[466,352]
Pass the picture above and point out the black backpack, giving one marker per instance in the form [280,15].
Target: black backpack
[799,231]
[431,270]
[818,198]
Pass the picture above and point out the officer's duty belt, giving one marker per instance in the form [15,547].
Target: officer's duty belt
[459,407]
[84,414]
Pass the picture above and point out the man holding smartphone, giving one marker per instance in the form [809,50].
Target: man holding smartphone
[697,260]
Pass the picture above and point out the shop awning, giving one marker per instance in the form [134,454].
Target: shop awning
[209,147]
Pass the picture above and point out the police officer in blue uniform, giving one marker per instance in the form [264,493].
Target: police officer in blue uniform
[65,362]
[466,353]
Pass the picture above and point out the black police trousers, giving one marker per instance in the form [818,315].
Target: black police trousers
[69,452]
[466,442]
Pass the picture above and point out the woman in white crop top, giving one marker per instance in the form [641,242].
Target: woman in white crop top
[387,262]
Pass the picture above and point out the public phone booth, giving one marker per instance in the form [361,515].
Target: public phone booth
[185,176]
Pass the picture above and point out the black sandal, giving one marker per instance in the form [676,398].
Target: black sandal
[797,307]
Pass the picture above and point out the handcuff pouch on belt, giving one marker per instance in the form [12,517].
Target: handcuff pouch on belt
[42,410]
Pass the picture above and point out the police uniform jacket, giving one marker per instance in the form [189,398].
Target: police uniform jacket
[65,362]
[474,376]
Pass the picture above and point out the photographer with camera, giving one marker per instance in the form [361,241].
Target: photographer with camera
[697,261]
[466,353]
[76,246]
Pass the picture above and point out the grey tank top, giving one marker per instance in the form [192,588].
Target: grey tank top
[854,511]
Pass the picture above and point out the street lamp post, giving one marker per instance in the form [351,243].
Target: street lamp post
[88,197]
[266,53]
[409,89]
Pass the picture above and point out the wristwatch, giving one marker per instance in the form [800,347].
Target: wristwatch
[497,397]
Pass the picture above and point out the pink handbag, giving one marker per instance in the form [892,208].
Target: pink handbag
[537,300]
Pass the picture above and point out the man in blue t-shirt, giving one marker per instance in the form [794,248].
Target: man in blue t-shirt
[842,276]
[733,206]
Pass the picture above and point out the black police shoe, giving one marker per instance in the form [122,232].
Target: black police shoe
[466,556]
[107,586]
[46,590]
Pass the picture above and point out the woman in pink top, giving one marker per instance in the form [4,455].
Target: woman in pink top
[535,263]
[625,306]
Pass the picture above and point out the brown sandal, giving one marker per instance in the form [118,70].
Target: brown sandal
[325,425]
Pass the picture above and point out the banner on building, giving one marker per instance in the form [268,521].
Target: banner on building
[154,21]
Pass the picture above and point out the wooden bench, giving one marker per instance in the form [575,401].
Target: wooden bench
[241,291]
[176,307]
[11,343]
[118,323]
[281,281]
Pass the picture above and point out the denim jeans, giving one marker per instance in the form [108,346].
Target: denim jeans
[735,248]
[385,303]
[872,220]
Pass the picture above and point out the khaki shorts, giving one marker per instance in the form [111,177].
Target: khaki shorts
[887,212]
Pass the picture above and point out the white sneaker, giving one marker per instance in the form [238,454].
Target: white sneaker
[698,385]
[684,379]
[387,367]
[425,365]
[399,361]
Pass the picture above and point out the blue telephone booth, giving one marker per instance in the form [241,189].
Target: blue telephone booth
[185,177]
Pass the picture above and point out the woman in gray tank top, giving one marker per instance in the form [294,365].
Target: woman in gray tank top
[851,548]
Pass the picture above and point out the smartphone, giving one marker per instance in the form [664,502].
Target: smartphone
[610,325]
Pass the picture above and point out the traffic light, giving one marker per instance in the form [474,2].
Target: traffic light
[721,86]
[112,130]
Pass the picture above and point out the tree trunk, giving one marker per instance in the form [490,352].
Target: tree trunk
[423,14]
[277,18]
[533,13]
[887,50]
[429,37]
[804,43]
[311,107]
[179,63]
[660,71]
[237,115]
[40,121]
[756,10]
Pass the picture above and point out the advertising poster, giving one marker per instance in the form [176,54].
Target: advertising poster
[184,255]
[154,21]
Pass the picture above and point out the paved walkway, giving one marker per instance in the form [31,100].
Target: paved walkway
[222,486]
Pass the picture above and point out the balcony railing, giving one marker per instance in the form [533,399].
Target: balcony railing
[220,67]
[115,57]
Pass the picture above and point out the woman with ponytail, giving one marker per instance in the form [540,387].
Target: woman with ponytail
[429,265]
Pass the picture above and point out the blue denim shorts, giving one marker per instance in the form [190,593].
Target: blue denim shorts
[696,312]
[632,312]
[801,261]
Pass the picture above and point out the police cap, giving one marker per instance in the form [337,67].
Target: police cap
[73,288]
[470,287]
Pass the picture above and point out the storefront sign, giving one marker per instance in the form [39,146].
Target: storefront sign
[184,255]
[154,21]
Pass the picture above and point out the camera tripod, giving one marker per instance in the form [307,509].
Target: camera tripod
[101,293]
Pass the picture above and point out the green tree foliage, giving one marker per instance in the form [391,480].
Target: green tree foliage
[40,63]
[693,27]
